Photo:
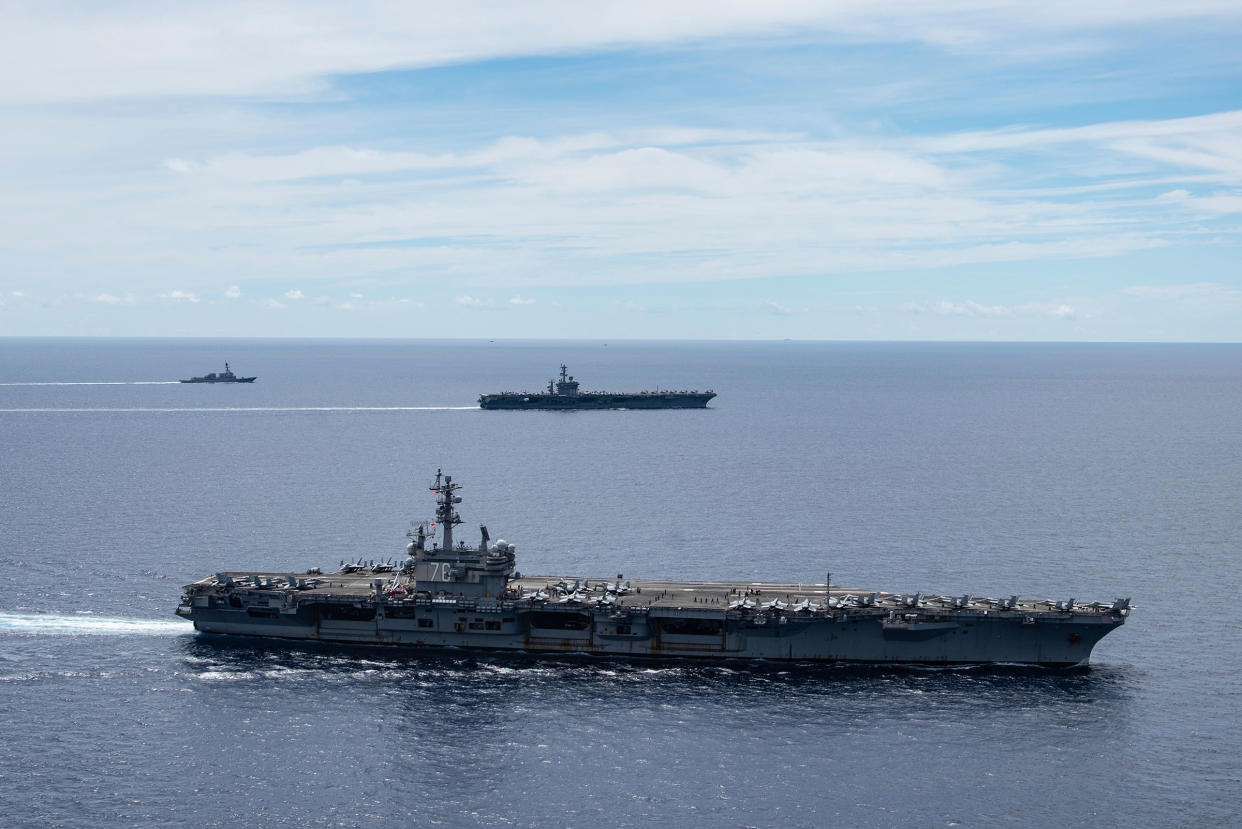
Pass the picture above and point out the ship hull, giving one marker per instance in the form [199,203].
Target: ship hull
[655,400]
[237,380]
[860,637]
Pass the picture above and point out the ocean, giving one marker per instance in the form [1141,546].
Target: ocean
[1092,471]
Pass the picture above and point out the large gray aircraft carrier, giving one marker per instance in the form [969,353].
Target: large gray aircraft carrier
[566,397]
[470,597]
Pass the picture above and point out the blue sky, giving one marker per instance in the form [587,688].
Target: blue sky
[881,170]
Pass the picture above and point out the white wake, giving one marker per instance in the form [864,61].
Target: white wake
[259,409]
[51,624]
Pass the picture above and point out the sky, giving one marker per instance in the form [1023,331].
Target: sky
[880,170]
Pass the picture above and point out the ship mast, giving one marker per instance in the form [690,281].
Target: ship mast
[446,516]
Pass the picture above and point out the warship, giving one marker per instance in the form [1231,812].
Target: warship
[564,394]
[227,376]
[452,595]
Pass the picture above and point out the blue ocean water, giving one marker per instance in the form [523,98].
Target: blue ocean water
[1093,471]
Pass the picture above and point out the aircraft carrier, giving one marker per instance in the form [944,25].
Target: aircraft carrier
[565,395]
[451,595]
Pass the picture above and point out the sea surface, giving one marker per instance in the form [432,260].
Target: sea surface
[1050,471]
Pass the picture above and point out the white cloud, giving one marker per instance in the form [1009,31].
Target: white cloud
[1063,312]
[1056,311]
[776,308]
[833,166]
[346,193]
[588,148]
[1195,127]
[693,212]
[1190,291]
[658,205]
[475,303]
[518,300]
[312,163]
[357,303]
[641,168]
[630,306]
[272,303]
[104,299]
[971,309]
[1202,142]
[142,48]
[1217,204]
[968,308]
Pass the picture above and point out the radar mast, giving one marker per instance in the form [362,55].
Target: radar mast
[446,516]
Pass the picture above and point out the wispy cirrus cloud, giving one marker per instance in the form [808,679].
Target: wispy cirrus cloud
[761,205]
[970,308]
[1190,291]
[524,151]
[629,172]
[1206,142]
[1217,203]
[146,49]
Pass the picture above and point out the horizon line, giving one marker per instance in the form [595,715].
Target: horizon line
[603,340]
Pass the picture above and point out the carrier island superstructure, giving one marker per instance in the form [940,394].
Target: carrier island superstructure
[452,595]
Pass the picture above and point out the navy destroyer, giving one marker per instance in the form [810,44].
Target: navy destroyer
[452,595]
[227,376]
[564,394]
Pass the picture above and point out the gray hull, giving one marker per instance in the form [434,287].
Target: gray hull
[874,636]
[653,400]
[226,376]
[565,395]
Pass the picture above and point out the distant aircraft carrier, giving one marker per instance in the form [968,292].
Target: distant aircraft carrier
[459,596]
[567,396]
